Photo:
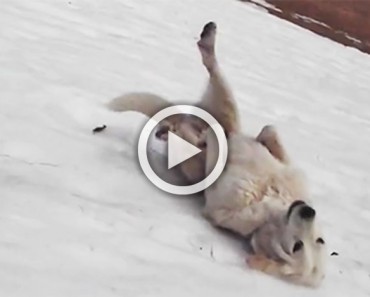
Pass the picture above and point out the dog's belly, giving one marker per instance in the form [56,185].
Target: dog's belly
[251,157]
[252,177]
[249,165]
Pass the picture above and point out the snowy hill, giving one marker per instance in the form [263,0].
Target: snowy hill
[77,216]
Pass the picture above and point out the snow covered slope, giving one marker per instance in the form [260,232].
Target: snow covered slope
[77,216]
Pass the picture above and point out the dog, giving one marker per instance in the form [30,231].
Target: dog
[260,194]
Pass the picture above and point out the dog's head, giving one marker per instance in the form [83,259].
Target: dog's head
[304,242]
[297,242]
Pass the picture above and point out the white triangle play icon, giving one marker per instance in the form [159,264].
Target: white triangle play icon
[179,150]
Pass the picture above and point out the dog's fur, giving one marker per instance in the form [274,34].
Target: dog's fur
[260,195]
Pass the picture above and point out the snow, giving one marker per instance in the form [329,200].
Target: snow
[311,20]
[263,3]
[78,217]
[355,40]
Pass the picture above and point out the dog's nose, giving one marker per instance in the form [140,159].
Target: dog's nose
[307,212]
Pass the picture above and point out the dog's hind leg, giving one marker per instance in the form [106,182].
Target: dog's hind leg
[218,98]
[270,139]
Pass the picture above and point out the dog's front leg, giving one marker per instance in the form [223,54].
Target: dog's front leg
[269,138]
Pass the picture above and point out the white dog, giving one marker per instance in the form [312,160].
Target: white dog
[260,195]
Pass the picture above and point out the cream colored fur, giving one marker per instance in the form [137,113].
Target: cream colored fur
[256,194]
[146,103]
[188,128]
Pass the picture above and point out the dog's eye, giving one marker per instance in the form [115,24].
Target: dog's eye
[320,240]
[298,246]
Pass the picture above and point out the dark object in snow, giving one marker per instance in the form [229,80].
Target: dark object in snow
[334,254]
[99,129]
[211,253]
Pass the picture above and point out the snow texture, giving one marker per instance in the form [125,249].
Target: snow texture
[78,217]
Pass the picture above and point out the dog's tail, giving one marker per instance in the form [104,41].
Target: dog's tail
[146,103]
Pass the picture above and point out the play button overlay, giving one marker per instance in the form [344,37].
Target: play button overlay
[179,150]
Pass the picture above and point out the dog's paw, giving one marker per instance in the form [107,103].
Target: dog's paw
[208,29]
[269,132]
[206,43]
